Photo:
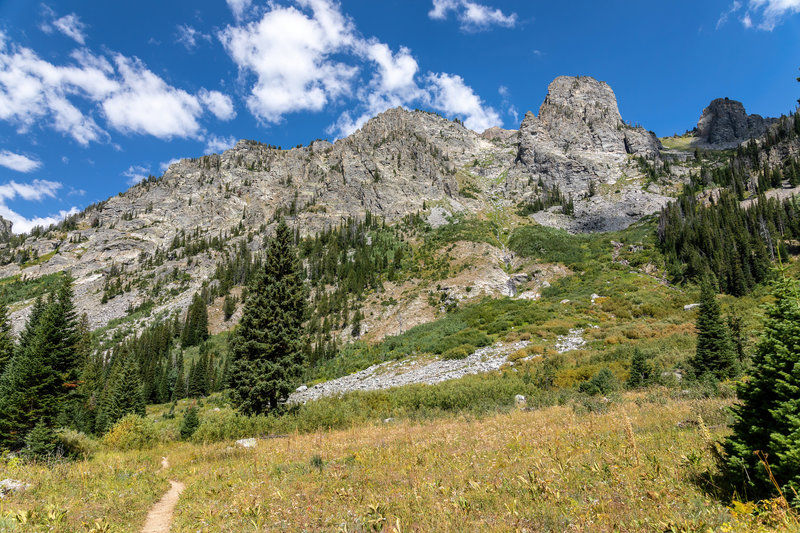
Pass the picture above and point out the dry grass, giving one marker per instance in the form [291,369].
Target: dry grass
[630,467]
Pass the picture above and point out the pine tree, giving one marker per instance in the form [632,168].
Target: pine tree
[31,386]
[126,392]
[268,346]
[715,355]
[195,328]
[190,423]
[641,370]
[6,338]
[767,417]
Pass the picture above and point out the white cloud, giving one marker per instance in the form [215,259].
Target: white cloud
[130,97]
[70,25]
[146,104]
[772,12]
[289,53]
[472,15]
[188,36]
[238,7]
[309,56]
[452,96]
[136,173]
[763,14]
[18,162]
[219,104]
[33,191]
[216,144]
[725,15]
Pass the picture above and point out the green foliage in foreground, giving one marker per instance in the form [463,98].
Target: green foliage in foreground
[768,417]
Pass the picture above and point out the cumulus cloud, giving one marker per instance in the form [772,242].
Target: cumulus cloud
[136,173]
[69,25]
[452,96]
[33,191]
[308,56]
[219,104]
[290,54]
[190,37]
[763,14]
[130,97]
[216,144]
[472,15]
[18,162]
[146,104]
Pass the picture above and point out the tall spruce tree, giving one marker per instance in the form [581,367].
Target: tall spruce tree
[767,417]
[715,355]
[32,388]
[268,346]
[195,328]
[126,395]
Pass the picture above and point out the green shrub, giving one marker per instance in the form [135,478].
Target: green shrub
[601,383]
[76,444]
[131,432]
[227,424]
[459,352]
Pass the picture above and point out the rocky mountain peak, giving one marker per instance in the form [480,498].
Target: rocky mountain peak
[725,123]
[580,114]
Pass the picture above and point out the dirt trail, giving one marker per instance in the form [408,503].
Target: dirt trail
[159,518]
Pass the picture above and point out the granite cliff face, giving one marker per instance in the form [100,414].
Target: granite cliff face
[398,163]
[725,124]
[579,136]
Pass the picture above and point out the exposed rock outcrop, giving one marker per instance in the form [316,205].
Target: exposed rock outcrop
[579,136]
[5,229]
[725,124]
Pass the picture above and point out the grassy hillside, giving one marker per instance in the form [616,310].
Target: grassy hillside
[641,462]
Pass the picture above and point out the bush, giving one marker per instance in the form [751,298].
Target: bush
[131,432]
[601,383]
[76,444]
[227,424]
[459,352]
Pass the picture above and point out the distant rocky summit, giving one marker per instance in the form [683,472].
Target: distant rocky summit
[725,124]
[579,136]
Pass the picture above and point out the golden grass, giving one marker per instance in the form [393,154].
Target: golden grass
[630,467]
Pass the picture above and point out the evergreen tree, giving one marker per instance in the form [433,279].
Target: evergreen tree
[126,392]
[6,338]
[641,370]
[715,355]
[268,346]
[767,417]
[190,423]
[39,381]
[229,307]
[195,329]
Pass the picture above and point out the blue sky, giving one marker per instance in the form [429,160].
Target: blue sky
[96,95]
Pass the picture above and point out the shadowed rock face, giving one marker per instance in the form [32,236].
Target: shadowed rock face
[725,123]
[5,228]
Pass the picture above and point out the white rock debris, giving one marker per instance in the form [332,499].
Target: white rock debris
[407,372]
